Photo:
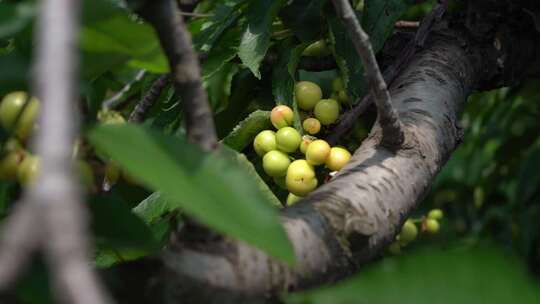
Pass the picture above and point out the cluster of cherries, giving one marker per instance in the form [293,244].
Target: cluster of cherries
[292,170]
[18,117]
[409,232]
[18,114]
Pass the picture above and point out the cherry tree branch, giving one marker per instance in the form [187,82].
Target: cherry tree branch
[176,42]
[348,119]
[141,109]
[115,100]
[393,135]
[56,191]
[51,214]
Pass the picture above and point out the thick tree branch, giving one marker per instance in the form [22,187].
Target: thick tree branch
[348,119]
[176,42]
[393,135]
[348,221]
[141,109]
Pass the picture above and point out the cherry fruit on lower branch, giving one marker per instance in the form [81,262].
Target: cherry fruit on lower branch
[317,152]
[275,163]
[327,111]
[301,178]
[311,125]
[338,158]
[281,116]
[317,49]
[29,169]
[292,199]
[432,226]
[288,139]
[436,214]
[307,94]
[18,112]
[264,142]
[408,233]
[9,165]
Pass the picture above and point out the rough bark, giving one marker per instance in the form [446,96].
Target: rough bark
[348,221]
[164,16]
[389,122]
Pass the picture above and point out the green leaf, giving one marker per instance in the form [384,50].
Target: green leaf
[433,275]
[15,17]
[244,133]
[115,225]
[284,78]
[219,85]
[225,15]
[256,38]
[135,42]
[378,19]
[206,186]
[221,54]
[305,18]
[154,207]
[241,160]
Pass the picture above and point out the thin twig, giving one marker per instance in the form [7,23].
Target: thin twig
[121,95]
[141,109]
[176,42]
[348,119]
[407,24]
[195,15]
[66,243]
[392,129]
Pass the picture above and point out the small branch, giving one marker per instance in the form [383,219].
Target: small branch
[19,240]
[66,236]
[121,95]
[407,24]
[392,129]
[176,42]
[196,15]
[348,119]
[141,109]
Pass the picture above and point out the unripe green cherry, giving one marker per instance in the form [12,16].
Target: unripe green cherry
[288,139]
[264,142]
[317,49]
[312,125]
[9,165]
[292,199]
[275,163]
[109,117]
[327,111]
[306,140]
[435,214]
[28,169]
[338,158]
[10,113]
[317,152]
[432,226]
[307,95]
[281,116]
[301,178]
[337,85]
[408,233]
